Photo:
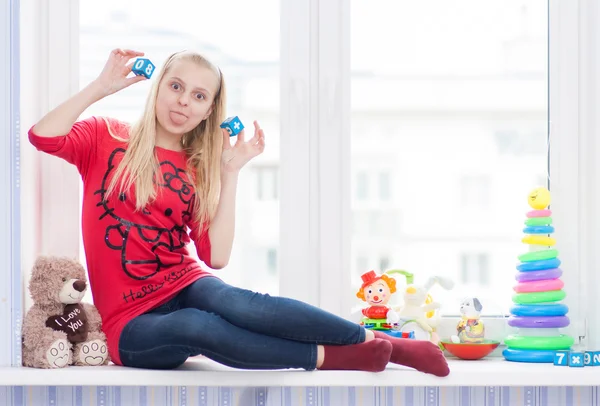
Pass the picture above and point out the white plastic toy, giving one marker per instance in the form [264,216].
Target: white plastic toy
[418,312]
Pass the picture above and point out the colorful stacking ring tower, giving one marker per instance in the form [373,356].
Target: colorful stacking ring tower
[537,311]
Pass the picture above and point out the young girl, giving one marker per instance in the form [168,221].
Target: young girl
[172,177]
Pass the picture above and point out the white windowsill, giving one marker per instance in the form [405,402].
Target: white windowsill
[488,372]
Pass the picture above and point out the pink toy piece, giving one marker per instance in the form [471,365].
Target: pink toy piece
[539,213]
[539,286]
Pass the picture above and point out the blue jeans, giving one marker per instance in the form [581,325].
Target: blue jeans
[235,327]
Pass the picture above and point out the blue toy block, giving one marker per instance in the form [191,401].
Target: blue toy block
[233,125]
[143,67]
[592,359]
[561,358]
[576,359]
[587,359]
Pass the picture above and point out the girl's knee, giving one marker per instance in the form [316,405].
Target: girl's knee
[165,357]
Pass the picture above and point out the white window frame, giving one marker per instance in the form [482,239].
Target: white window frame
[50,54]
[584,46]
[326,166]
[571,169]
[315,151]
[10,205]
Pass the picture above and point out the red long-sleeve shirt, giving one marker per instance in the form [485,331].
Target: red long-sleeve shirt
[136,260]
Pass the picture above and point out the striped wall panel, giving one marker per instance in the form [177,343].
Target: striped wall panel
[309,396]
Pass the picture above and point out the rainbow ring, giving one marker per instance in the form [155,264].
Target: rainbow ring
[538,240]
[539,255]
[539,213]
[538,221]
[539,286]
[561,342]
[539,297]
[540,356]
[539,230]
[539,322]
[531,276]
[539,265]
[542,310]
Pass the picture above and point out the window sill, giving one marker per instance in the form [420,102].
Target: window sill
[488,372]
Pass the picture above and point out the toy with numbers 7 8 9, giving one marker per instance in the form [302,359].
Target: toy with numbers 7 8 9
[143,67]
[577,359]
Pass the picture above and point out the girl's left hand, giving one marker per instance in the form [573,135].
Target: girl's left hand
[235,157]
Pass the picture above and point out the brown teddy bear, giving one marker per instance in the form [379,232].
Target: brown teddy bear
[58,330]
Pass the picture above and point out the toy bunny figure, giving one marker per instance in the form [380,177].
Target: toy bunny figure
[377,291]
[470,329]
[418,303]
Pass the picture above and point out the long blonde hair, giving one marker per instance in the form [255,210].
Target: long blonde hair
[203,146]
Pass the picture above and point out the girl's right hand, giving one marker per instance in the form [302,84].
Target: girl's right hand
[114,74]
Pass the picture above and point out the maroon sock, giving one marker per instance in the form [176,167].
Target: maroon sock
[372,356]
[421,355]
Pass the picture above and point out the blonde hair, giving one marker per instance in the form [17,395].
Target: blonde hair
[203,146]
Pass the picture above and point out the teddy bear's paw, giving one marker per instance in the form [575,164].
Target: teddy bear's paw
[93,353]
[58,353]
